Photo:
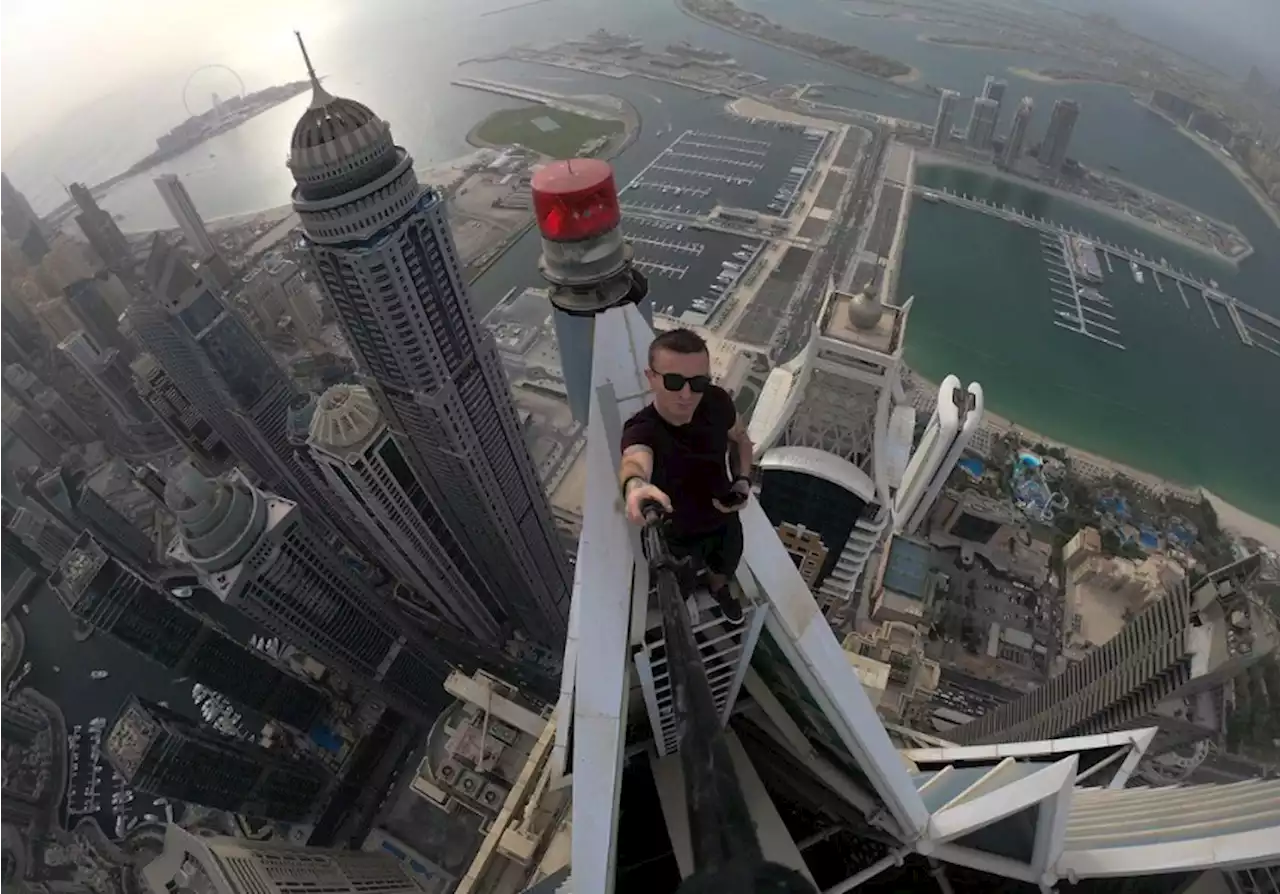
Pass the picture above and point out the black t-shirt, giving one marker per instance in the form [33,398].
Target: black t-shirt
[690,462]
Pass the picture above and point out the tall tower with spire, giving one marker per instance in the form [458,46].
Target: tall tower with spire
[380,247]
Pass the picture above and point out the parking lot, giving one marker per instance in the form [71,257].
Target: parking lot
[885,225]
[761,318]
[759,166]
[686,267]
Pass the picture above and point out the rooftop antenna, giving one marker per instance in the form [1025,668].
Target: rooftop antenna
[319,97]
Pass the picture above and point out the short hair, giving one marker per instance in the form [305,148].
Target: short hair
[679,341]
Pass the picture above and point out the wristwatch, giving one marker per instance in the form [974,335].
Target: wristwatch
[734,482]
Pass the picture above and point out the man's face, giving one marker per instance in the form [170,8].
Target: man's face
[671,368]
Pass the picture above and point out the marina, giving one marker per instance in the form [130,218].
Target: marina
[1255,327]
[1072,261]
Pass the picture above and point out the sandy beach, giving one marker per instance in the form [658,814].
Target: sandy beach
[1230,517]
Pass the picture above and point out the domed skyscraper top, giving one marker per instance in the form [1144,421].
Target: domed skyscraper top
[338,144]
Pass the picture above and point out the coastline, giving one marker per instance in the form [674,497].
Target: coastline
[902,80]
[1226,161]
[930,158]
[1230,517]
[1041,78]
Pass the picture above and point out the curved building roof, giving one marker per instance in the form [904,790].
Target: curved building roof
[219,519]
[345,416]
[820,464]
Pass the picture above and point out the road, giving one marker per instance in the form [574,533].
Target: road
[841,248]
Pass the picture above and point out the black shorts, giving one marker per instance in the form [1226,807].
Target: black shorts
[719,550]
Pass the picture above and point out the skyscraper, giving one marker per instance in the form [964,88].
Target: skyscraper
[110,375]
[178,201]
[100,229]
[982,124]
[21,423]
[824,449]
[1018,133]
[225,865]
[96,316]
[945,119]
[21,223]
[161,752]
[954,420]
[66,495]
[1057,138]
[994,89]
[256,551]
[179,415]
[365,465]
[380,246]
[1161,670]
[218,364]
[95,587]
[38,531]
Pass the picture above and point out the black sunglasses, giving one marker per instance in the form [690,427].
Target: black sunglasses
[676,382]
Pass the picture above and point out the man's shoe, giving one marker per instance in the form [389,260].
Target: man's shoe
[729,606]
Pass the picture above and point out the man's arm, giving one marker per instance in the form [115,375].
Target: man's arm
[741,450]
[637,462]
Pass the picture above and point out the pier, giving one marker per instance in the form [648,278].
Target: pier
[1074,315]
[1237,310]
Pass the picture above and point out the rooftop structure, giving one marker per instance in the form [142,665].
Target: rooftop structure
[214,864]
[809,755]
[161,752]
[1160,670]
[904,584]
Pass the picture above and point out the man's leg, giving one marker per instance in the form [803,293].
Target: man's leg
[723,553]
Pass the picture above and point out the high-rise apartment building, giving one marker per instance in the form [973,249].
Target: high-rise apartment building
[982,124]
[100,229]
[945,119]
[1057,138]
[1017,141]
[221,367]
[366,467]
[204,864]
[380,247]
[179,415]
[178,201]
[21,223]
[161,752]
[256,551]
[1161,670]
[994,89]
[96,588]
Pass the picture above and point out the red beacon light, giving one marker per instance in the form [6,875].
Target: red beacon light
[584,257]
[575,200]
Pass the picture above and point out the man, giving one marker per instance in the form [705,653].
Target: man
[689,451]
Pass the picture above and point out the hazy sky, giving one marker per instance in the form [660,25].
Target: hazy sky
[58,55]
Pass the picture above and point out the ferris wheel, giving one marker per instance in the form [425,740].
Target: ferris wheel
[213,66]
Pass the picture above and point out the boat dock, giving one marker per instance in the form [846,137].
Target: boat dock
[1208,305]
[1159,288]
[1061,255]
[1255,327]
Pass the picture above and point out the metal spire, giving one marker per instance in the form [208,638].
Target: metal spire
[319,96]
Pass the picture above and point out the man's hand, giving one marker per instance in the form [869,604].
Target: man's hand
[742,488]
[637,495]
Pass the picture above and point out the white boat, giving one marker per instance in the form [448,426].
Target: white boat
[98,675]
[1137,273]
[1068,315]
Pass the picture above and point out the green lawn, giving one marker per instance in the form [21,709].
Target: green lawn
[510,126]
